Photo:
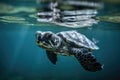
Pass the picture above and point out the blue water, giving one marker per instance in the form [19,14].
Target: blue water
[22,59]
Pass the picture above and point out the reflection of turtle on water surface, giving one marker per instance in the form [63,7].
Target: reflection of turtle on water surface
[80,15]
[69,43]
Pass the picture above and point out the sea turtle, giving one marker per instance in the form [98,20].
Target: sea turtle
[69,43]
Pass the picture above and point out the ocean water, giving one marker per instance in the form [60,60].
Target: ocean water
[22,59]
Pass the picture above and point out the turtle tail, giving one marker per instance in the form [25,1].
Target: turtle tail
[86,59]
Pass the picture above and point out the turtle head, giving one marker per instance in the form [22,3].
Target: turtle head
[47,40]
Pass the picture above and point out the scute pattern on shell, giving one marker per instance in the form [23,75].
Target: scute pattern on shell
[77,39]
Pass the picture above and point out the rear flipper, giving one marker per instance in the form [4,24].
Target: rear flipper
[87,60]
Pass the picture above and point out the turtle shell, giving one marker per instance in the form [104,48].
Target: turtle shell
[77,39]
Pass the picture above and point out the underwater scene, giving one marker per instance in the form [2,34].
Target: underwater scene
[59,39]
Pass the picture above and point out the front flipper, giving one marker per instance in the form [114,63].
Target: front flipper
[51,56]
[87,60]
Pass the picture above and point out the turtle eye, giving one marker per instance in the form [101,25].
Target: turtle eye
[39,38]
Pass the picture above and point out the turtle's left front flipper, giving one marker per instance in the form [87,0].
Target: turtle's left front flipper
[51,56]
[87,60]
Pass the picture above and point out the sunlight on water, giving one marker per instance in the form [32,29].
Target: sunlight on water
[20,40]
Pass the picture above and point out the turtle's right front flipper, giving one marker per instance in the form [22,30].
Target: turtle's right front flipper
[51,56]
[87,60]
